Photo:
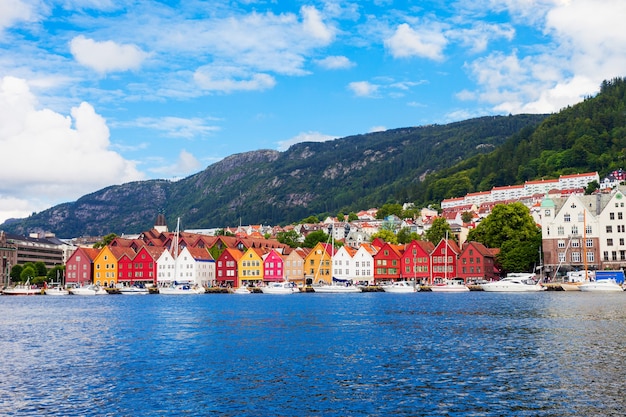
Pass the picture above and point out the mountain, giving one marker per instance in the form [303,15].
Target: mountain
[271,187]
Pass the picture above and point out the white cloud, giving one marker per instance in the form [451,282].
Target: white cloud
[304,137]
[230,78]
[423,42]
[106,56]
[335,62]
[13,11]
[49,158]
[185,165]
[586,47]
[177,127]
[363,88]
[313,23]
[374,129]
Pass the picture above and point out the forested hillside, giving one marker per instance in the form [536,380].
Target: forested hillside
[587,137]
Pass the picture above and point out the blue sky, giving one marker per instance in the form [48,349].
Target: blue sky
[101,92]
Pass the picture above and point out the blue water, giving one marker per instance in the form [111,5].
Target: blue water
[370,354]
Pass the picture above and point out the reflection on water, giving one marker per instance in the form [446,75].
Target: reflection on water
[472,354]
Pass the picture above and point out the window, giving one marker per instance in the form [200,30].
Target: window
[589,243]
[561,256]
[575,243]
[547,213]
[609,229]
[588,230]
[560,244]
[612,216]
[576,257]
[609,242]
[606,256]
[574,230]
[581,217]
[566,218]
[620,216]
[561,231]
[590,257]
[621,241]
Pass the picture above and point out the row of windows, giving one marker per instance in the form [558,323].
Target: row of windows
[576,257]
[622,255]
[471,270]
[471,260]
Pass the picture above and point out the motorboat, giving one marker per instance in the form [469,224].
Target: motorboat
[338,286]
[602,285]
[134,290]
[181,288]
[284,287]
[57,290]
[576,278]
[451,285]
[241,290]
[88,290]
[22,289]
[401,287]
[514,282]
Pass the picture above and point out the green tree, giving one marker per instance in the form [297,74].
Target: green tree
[439,230]
[591,187]
[352,216]
[314,238]
[388,210]
[56,274]
[40,269]
[341,217]
[223,232]
[511,228]
[27,273]
[16,272]
[310,220]
[386,235]
[290,237]
[105,241]
[467,216]
[405,235]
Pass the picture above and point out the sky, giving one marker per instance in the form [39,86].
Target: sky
[96,93]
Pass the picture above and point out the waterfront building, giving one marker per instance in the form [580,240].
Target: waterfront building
[273,266]
[363,261]
[343,264]
[294,265]
[226,267]
[318,264]
[476,263]
[416,261]
[444,260]
[106,266]
[79,267]
[250,268]
[387,263]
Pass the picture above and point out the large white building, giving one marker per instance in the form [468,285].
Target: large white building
[584,231]
[525,191]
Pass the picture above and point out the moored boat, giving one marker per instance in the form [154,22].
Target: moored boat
[241,290]
[56,290]
[451,285]
[283,287]
[603,285]
[400,287]
[22,289]
[181,288]
[134,290]
[338,286]
[514,282]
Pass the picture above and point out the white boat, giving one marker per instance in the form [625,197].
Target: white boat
[338,286]
[134,290]
[284,287]
[514,282]
[181,288]
[57,290]
[576,278]
[88,290]
[241,290]
[602,285]
[451,285]
[22,289]
[400,287]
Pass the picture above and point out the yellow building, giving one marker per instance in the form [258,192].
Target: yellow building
[250,267]
[105,265]
[318,264]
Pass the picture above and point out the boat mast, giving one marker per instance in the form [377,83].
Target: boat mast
[176,234]
[585,242]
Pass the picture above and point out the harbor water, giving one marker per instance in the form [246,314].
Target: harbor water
[369,354]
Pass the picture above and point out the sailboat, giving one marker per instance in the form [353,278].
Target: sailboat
[56,289]
[177,288]
[340,286]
